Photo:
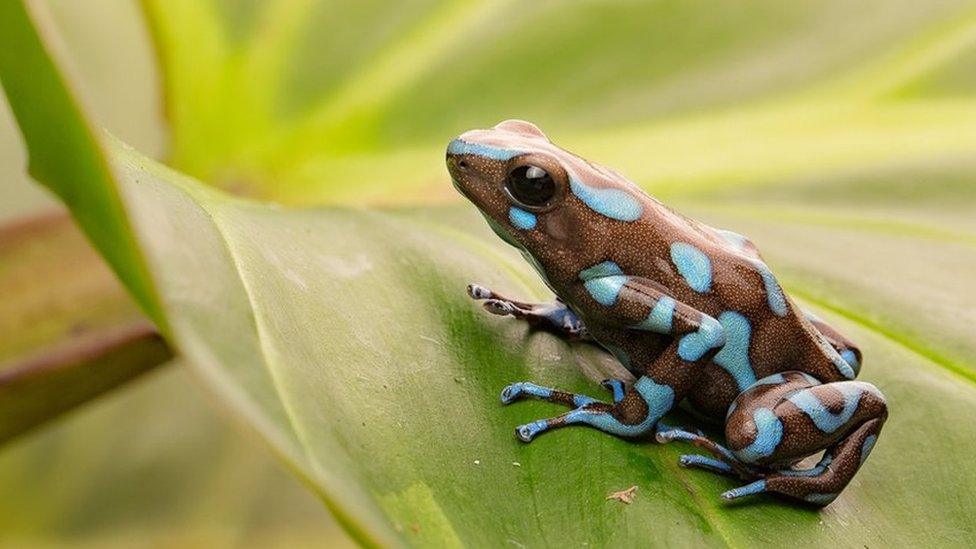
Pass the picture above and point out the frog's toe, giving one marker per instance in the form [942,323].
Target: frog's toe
[499,307]
[756,487]
[529,431]
[512,392]
[478,292]
[705,462]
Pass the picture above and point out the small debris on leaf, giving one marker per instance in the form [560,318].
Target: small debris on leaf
[516,464]
[625,496]
[477,462]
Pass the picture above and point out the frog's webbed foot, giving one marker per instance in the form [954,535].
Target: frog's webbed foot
[555,317]
[630,414]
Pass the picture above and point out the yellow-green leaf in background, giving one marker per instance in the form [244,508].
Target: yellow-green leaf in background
[306,101]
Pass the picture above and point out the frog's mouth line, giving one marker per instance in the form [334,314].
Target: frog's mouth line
[501,231]
[459,189]
[496,227]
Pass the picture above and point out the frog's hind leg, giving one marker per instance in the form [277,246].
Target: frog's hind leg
[844,346]
[555,317]
[789,416]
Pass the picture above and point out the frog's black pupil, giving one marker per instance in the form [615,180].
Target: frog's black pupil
[531,185]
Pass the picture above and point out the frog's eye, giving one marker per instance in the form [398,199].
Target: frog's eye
[531,186]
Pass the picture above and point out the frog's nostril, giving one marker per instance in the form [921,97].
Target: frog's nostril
[463,165]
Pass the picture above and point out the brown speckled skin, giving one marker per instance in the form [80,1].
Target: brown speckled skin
[570,237]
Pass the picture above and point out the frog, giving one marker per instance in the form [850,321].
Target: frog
[693,312]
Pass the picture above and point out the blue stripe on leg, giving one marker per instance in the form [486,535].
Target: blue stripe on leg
[522,389]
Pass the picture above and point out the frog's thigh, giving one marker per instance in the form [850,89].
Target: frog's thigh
[789,416]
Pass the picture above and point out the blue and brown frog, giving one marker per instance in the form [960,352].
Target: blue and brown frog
[692,311]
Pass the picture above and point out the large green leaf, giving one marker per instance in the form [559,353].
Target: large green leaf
[344,338]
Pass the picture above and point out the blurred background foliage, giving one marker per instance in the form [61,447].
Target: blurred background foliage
[179,475]
[805,122]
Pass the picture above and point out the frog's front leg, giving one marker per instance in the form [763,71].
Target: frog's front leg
[633,413]
[555,317]
[637,304]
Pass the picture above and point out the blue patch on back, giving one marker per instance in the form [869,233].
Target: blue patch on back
[693,265]
[734,356]
[774,292]
[822,417]
[604,281]
[660,318]
[769,432]
[521,218]
[613,203]
[463,147]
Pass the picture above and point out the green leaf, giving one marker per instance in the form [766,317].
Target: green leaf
[343,337]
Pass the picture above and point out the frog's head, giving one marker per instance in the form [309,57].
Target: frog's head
[512,173]
[538,197]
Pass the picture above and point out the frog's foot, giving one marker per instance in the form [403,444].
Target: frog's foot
[723,462]
[755,487]
[707,463]
[555,317]
[628,416]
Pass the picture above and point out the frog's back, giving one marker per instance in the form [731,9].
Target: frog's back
[722,274]
[767,332]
